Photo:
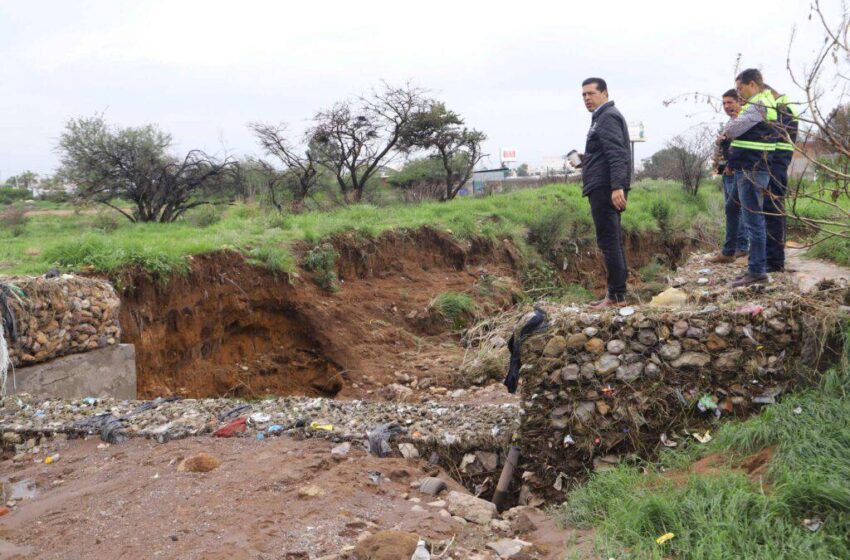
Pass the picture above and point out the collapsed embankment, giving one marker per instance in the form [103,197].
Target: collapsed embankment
[599,388]
[229,328]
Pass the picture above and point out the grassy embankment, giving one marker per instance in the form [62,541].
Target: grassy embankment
[79,241]
[724,513]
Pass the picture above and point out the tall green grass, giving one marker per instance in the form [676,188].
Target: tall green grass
[78,240]
[727,515]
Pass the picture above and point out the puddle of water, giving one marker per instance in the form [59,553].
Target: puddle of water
[22,490]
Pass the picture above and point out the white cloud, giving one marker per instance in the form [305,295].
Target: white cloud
[202,70]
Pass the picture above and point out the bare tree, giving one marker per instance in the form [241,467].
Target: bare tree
[457,148]
[300,165]
[354,139]
[824,86]
[132,163]
[689,154]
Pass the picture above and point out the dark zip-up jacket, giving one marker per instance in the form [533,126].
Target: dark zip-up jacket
[607,162]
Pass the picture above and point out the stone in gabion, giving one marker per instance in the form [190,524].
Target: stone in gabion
[616,346]
[670,351]
[607,363]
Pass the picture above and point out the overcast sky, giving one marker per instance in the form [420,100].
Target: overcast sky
[203,69]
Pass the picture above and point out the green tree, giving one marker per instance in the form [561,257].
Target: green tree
[133,163]
[458,148]
[522,170]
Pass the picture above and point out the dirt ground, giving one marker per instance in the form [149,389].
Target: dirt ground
[277,498]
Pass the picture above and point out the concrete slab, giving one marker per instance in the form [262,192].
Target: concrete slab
[105,372]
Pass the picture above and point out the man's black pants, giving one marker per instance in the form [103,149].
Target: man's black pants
[774,210]
[609,237]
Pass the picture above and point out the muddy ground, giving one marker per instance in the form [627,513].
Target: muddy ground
[277,498]
[231,329]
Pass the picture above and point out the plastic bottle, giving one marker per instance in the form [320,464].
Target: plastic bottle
[421,553]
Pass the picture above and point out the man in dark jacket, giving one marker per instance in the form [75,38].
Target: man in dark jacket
[606,177]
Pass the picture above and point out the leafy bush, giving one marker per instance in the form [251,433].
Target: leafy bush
[661,211]
[9,195]
[548,230]
[321,261]
[204,216]
[14,219]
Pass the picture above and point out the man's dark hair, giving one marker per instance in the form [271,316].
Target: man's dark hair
[598,82]
[733,93]
[751,75]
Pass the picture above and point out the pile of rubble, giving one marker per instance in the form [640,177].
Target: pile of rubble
[425,426]
[598,387]
[56,316]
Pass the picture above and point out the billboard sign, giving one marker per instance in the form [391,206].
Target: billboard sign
[508,155]
[637,132]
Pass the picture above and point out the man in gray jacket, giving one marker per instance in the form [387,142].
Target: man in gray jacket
[606,176]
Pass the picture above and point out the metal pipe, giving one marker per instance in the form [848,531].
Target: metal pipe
[501,494]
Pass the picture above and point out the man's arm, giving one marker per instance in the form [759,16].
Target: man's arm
[618,155]
[753,115]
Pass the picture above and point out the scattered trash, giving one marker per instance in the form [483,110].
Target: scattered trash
[813,524]
[671,297]
[666,442]
[421,553]
[664,538]
[764,399]
[375,477]
[432,485]
[707,402]
[568,440]
[627,311]
[91,401]
[449,439]
[323,427]
[238,426]
[260,418]
[50,459]
[702,281]
[274,429]
[110,428]
[379,438]
[751,309]
[705,438]
[532,322]
[233,412]
[798,410]
[559,481]
[261,436]
[704,271]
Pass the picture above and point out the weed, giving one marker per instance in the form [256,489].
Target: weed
[454,308]
[576,293]
[651,272]
[321,260]
[106,221]
[547,231]
[14,219]
[204,216]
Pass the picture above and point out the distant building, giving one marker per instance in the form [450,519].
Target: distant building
[481,177]
[807,151]
[43,188]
